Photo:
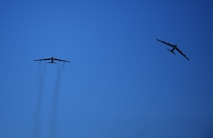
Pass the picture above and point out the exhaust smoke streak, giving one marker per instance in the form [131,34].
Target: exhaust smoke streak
[53,116]
[41,75]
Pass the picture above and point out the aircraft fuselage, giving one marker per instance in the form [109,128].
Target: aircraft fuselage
[52,60]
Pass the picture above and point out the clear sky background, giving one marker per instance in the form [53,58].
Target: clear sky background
[121,83]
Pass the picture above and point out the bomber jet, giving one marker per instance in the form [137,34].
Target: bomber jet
[174,47]
[52,59]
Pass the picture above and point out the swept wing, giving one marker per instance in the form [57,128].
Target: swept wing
[182,53]
[61,60]
[43,59]
[166,43]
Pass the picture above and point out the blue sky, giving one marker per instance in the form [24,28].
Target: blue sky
[121,82]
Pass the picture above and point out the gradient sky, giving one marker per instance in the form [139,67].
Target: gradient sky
[121,83]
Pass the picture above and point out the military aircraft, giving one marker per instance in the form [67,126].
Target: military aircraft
[52,59]
[174,47]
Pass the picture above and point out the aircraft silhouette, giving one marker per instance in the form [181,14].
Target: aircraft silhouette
[174,47]
[52,59]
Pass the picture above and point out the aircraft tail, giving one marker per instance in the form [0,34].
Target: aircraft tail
[52,62]
[171,50]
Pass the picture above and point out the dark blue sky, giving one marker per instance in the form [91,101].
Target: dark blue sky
[121,83]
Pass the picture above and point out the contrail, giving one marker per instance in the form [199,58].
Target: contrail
[53,117]
[36,129]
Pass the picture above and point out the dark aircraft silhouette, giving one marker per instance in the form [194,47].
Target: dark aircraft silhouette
[174,47]
[52,59]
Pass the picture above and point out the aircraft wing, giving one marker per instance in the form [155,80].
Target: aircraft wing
[182,54]
[42,59]
[165,43]
[61,60]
